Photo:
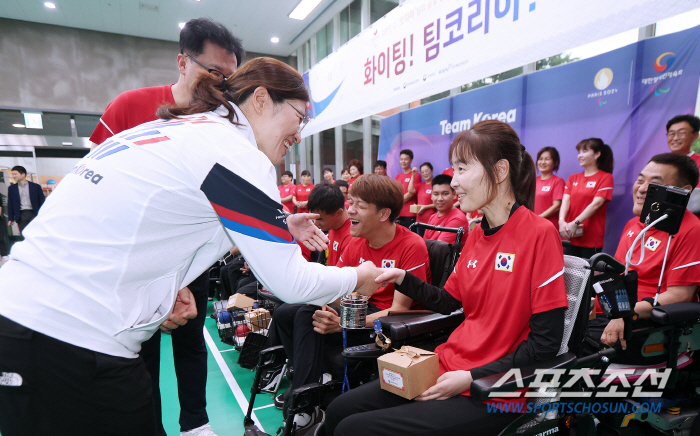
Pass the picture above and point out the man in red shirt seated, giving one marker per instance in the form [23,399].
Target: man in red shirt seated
[682,272]
[287,191]
[310,333]
[447,215]
[327,201]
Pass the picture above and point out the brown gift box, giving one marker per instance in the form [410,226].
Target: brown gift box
[414,208]
[239,301]
[258,318]
[408,372]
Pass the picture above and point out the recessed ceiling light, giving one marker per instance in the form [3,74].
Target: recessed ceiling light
[67,143]
[32,120]
[275,40]
[50,5]
[303,9]
[19,126]
[181,25]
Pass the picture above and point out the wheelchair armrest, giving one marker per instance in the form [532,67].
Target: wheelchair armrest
[676,313]
[269,296]
[482,387]
[405,326]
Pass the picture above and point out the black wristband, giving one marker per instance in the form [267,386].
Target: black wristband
[651,301]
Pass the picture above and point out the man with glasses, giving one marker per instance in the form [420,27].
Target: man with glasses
[681,132]
[204,46]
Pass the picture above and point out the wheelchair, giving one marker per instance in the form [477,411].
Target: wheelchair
[421,328]
[674,332]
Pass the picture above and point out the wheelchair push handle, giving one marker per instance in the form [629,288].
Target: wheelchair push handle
[436,228]
[604,262]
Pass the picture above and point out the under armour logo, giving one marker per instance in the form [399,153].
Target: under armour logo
[472,263]
[630,233]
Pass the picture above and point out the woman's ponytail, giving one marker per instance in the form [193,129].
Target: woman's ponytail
[524,181]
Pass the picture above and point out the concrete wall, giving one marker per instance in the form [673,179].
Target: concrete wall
[49,67]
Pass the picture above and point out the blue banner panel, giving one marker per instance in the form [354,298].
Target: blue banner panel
[625,97]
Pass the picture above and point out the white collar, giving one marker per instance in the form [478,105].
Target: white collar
[244,126]
[691,153]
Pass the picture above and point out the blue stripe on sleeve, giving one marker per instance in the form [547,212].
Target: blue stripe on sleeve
[253,232]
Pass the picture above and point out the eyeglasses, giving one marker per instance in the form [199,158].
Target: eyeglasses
[305,118]
[216,73]
[679,134]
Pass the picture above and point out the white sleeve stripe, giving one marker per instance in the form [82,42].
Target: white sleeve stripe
[686,265]
[415,267]
[603,189]
[105,124]
[551,279]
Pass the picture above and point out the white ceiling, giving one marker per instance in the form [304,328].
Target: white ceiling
[254,21]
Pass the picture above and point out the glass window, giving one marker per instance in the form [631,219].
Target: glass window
[379,8]
[352,142]
[324,41]
[327,150]
[435,97]
[350,21]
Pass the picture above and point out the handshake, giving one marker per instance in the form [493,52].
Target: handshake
[370,278]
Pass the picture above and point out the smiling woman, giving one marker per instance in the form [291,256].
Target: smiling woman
[174,195]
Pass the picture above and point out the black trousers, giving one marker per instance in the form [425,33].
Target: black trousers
[582,252]
[308,352]
[371,411]
[68,390]
[25,217]
[190,356]
[3,233]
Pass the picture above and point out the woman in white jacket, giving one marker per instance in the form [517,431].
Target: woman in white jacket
[108,259]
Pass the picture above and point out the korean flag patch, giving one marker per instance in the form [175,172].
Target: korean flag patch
[652,243]
[388,263]
[504,262]
[590,184]
[335,245]
[546,188]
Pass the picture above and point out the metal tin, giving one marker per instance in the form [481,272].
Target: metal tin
[353,312]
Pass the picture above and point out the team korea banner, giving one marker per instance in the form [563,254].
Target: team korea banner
[424,47]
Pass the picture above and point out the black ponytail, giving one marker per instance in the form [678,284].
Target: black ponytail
[490,141]
[605,161]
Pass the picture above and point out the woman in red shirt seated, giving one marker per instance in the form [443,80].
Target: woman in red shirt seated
[509,280]
[586,196]
[550,188]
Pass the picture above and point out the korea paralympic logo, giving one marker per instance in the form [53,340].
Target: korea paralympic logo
[663,62]
[667,63]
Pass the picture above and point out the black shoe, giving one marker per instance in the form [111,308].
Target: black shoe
[305,422]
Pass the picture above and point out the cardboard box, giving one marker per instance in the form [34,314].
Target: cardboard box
[258,319]
[239,301]
[414,208]
[408,372]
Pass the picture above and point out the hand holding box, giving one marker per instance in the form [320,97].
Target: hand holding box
[408,372]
